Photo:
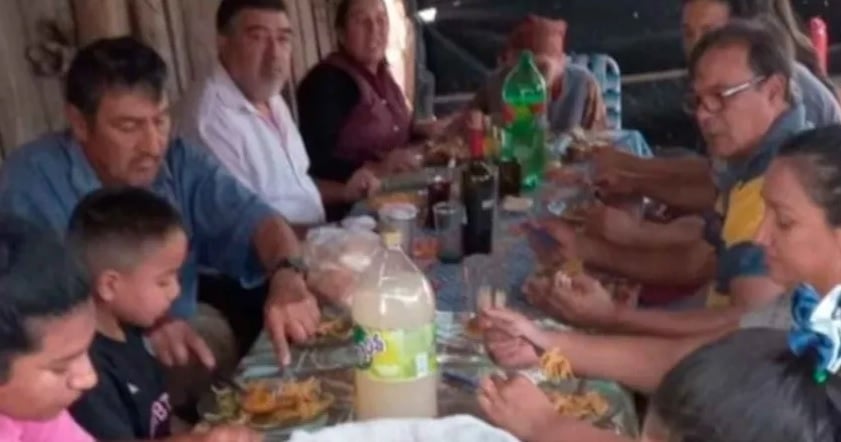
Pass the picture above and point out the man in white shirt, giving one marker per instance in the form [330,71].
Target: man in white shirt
[239,114]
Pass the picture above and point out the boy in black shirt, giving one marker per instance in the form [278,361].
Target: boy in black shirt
[134,244]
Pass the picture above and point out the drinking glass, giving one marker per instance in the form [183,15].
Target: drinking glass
[402,218]
[439,190]
[449,224]
[484,284]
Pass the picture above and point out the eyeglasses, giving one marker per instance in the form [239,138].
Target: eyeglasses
[714,102]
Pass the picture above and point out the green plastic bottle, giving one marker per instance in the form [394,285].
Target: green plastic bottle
[524,96]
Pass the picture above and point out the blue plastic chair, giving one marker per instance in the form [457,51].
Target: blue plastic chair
[607,73]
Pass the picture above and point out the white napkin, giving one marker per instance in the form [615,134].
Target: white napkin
[456,428]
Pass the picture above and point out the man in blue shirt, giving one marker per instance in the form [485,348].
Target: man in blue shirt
[120,136]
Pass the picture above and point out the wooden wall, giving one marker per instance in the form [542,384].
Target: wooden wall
[182,31]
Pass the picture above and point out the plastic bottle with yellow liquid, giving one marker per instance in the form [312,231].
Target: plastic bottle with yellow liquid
[394,328]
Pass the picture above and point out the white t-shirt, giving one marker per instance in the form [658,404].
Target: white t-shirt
[266,154]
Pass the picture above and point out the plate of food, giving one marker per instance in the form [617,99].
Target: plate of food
[274,406]
[335,328]
[571,397]
[440,153]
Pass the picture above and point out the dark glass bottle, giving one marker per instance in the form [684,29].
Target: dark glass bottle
[478,193]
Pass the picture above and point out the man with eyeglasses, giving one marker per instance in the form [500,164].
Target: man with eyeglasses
[743,104]
[742,101]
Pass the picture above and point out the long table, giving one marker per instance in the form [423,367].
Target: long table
[460,356]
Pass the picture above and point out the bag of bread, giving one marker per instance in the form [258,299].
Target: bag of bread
[335,257]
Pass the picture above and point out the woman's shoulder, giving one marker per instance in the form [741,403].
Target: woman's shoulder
[326,74]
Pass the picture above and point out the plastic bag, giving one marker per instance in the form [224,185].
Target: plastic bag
[335,257]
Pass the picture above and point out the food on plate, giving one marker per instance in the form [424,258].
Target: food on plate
[336,327]
[439,153]
[555,367]
[584,406]
[259,398]
[573,267]
[266,404]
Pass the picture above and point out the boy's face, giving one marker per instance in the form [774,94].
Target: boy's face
[142,295]
[46,381]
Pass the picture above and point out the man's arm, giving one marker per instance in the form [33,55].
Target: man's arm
[688,169]
[624,229]
[636,362]
[235,231]
[332,192]
[688,265]
[684,182]
[274,241]
[674,324]
[691,195]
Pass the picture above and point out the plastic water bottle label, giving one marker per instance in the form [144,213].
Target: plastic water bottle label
[396,355]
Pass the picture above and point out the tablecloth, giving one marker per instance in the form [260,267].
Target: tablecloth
[458,354]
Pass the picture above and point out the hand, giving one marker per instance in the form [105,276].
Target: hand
[230,433]
[610,172]
[565,236]
[362,184]
[517,406]
[536,288]
[612,224]
[332,284]
[403,160]
[583,302]
[291,312]
[504,346]
[512,323]
[174,343]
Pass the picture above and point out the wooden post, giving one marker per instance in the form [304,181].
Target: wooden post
[178,35]
[299,65]
[323,27]
[97,19]
[38,18]
[309,37]
[150,24]
[22,115]
[200,30]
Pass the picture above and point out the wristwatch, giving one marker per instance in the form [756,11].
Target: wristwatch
[294,263]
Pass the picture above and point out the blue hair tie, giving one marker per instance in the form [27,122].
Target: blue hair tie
[817,329]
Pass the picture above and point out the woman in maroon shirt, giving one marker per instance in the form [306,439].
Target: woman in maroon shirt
[352,112]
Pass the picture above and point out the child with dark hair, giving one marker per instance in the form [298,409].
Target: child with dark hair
[134,244]
[46,326]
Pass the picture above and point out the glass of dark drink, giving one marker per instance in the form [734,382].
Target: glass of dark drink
[438,191]
[510,178]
